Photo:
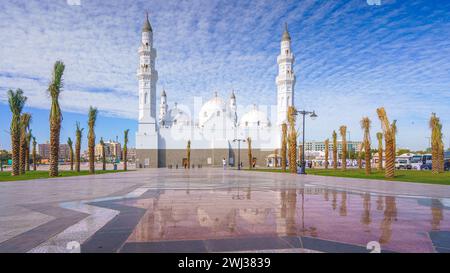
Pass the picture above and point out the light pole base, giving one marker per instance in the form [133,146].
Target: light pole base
[301,170]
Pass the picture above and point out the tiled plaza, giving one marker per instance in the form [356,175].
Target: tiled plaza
[214,210]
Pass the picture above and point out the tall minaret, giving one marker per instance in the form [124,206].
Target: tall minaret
[286,78]
[163,108]
[147,76]
[233,107]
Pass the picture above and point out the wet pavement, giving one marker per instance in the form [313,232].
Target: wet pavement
[211,210]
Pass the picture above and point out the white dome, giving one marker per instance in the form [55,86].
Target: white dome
[177,117]
[214,107]
[254,118]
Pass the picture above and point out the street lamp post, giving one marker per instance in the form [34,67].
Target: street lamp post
[238,140]
[313,115]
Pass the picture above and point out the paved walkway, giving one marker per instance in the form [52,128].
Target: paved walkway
[208,210]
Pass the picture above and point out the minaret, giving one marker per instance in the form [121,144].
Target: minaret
[286,78]
[163,108]
[233,107]
[147,134]
[147,76]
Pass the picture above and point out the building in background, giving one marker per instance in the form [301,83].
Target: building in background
[44,151]
[319,146]
[113,150]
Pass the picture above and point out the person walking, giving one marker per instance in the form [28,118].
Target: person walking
[224,163]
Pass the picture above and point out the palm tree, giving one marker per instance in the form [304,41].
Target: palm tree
[25,120]
[55,89]
[327,145]
[276,158]
[436,143]
[389,137]
[360,150]
[343,132]
[78,134]
[16,102]
[69,142]
[188,152]
[365,125]
[91,138]
[335,158]
[250,156]
[283,146]
[291,116]
[394,130]
[380,150]
[125,150]
[102,143]
[27,154]
[34,153]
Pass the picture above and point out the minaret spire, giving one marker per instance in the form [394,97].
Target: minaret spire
[286,36]
[147,27]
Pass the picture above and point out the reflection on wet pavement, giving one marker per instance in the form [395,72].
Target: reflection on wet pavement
[398,223]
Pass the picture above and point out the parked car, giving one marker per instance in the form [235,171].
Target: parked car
[447,165]
[403,164]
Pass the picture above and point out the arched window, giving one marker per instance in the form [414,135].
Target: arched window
[218,113]
[258,122]
[246,123]
[145,98]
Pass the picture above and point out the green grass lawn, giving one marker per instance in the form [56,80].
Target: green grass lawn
[400,175]
[6,175]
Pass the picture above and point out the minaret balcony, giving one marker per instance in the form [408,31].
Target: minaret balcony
[285,79]
[289,58]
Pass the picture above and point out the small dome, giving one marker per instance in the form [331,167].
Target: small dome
[214,107]
[177,117]
[254,118]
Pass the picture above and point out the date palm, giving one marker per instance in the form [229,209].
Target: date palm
[27,154]
[125,150]
[389,138]
[249,150]
[335,157]
[283,146]
[365,125]
[102,143]
[380,151]
[291,116]
[92,117]
[34,154]
[394,129]
[25,120]
[360,151]
[16,101]
[436,144]
[70,143]
[54,89]
[343,132]
[78,135]
[327,145]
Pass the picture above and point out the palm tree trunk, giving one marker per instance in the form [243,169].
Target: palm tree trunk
[389,143]
[327,147]
[343,131]
[77,155]
[15,143]
[380,151]
[283,146]
[250,156]
[103,158]
[335,157]
[55,127]
[34,157]
[22,151]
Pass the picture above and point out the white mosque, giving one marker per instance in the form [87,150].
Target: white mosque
[162,139]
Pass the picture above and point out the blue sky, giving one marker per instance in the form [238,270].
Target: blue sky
[351,58]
